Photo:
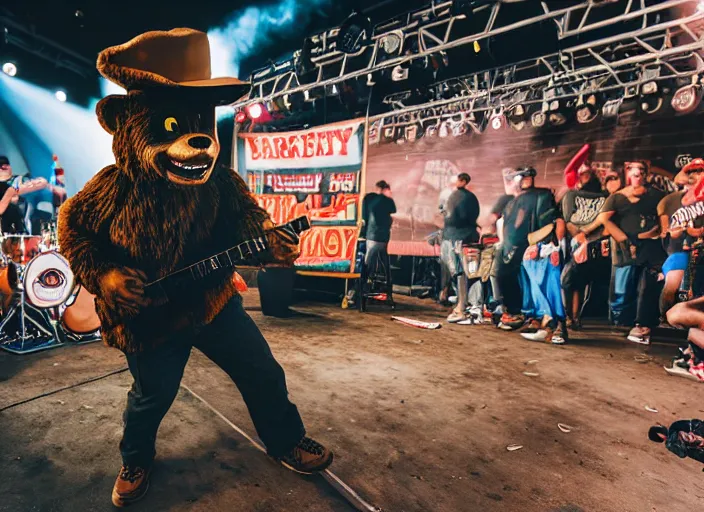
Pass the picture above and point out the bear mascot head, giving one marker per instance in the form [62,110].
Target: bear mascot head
[167,202]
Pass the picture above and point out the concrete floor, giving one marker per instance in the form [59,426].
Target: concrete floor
[419,421]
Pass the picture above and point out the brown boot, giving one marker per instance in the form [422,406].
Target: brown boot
[131,485]
[307,457]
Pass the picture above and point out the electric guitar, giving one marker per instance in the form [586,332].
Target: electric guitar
[160,289]
[161,318]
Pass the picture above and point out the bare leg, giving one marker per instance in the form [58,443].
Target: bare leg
[696,337]
[687,314]
[673,280]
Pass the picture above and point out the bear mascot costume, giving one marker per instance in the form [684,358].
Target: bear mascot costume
[165,204]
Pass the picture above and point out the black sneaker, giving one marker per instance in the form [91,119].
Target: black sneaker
[307,457]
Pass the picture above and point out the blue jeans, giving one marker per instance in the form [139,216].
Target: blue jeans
[233,342]
[542,293]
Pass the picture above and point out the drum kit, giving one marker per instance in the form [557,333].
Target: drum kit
[42,307]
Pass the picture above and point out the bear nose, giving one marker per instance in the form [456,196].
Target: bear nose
[199,142]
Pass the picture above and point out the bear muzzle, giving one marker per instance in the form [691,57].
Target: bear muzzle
[190,159]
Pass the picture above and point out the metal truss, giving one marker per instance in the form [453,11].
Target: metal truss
[436,29]
[45,48]
[670,51]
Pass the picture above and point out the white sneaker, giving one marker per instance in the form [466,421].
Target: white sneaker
[539,335]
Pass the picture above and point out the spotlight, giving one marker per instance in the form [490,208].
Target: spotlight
[558,113]
[391,43]
[517,117]
[60,95]
[700,6]
[686,99]
[497,120]
[240,117]
[9,69]
[354,33]
[611,108]
[255,111]
[651,101]
[587,109]
[538,119]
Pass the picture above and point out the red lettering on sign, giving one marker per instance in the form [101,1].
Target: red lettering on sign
[308,144]
[253,148]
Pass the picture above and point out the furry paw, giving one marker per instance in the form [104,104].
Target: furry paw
[123,289]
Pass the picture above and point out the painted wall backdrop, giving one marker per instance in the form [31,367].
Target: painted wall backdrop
[420,172]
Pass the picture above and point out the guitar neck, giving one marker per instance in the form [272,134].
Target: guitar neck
[236,254]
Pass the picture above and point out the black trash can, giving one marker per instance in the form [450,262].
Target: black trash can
[276,290]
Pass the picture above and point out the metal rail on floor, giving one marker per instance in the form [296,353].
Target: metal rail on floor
[336,482]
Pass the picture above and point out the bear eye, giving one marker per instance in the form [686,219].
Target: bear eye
[170,124]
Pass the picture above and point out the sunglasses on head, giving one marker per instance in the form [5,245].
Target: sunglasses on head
[611,178]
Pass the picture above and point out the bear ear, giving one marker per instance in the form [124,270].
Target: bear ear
[109,110]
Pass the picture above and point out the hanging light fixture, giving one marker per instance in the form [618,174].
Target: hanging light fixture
[497,119]
[354,32]
[587,108]
[688,97]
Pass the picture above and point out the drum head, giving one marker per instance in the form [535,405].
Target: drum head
[48,280]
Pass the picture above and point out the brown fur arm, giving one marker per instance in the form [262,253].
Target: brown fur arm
[81,239]
[256,220]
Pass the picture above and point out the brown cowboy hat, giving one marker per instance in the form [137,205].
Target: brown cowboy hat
[177,59]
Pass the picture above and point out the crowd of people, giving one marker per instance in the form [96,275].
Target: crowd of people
[533,267]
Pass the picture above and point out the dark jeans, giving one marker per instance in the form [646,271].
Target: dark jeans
[507,270]
[634,296]
[234,343]
[377,261]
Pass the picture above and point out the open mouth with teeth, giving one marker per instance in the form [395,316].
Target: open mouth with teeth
[192,170]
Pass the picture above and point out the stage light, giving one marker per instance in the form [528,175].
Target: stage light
[240,117]
[517,117]
[60,95]
[557,113]
[391,43]
[538,119]
[354,32]
[700,6]
[255,111]
[587,108]
[651,99]
[686,99]
[497,120]
[9,69]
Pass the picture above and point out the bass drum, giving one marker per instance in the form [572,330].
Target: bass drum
[80,317]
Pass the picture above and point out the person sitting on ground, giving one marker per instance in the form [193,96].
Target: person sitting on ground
[630,216]
[580,208]
[461,214]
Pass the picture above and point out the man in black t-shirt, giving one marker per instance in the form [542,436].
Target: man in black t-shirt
[630,217]
[377,209]
[580,209]
[461,214]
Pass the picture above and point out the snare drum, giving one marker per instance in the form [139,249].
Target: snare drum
[48,280]
[20,248]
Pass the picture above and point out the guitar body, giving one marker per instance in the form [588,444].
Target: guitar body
[172,300]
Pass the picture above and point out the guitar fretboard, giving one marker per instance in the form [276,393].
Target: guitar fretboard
[236,254]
